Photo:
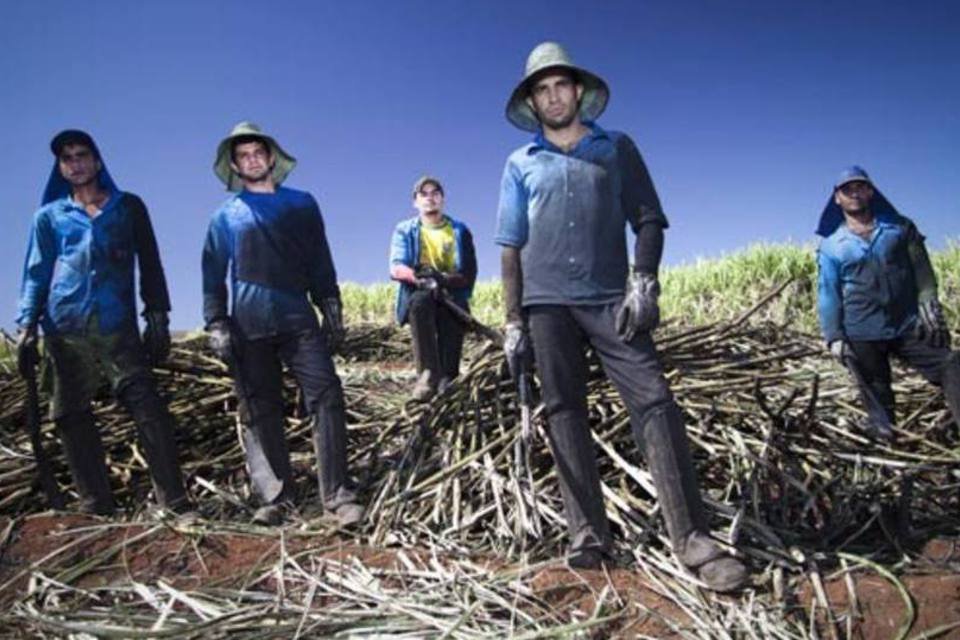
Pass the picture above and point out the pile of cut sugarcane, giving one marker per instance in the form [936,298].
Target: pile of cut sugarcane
[788,477]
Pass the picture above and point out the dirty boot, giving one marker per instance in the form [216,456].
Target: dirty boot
[87,462]
[425,387]
[667,451]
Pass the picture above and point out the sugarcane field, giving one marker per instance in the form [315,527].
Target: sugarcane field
[463,536]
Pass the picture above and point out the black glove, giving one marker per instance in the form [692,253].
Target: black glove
[430,279]
[220,339]
[932,324]
[28,355]
[156,337]
[639,311]
[517,348]
[332,310]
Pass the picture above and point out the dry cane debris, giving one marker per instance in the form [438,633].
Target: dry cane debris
[789,479]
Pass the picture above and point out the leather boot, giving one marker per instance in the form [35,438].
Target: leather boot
[87,462]
[155,430]
[664,440]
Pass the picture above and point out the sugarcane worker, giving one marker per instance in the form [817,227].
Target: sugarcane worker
[78,286]
[877,297]
[269,242]
[565,200]
[433,259]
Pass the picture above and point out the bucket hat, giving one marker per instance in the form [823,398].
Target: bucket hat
[283,161]
[548,55]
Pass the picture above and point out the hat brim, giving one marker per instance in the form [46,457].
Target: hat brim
[283,162]
[593,102]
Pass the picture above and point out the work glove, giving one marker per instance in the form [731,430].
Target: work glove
[639,311]
[840,350]
[932,324]
[220,339]
[518,348]
[429,279]
[156,336]
[332,310]
[28,355]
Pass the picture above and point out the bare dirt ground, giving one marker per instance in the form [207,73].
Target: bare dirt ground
[865,607]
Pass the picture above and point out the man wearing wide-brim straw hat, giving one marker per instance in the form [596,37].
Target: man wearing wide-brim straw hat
[565,200]
[271,240]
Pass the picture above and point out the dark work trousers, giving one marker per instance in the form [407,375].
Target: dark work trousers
[938,365]
[260,384]
[78,363]
[559,335]
[437,335]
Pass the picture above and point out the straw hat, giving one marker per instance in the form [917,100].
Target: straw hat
[283,161]
[547,55]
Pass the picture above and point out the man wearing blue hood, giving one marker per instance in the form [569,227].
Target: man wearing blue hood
[877,297]
[566,199]
[271,241]
[78,286]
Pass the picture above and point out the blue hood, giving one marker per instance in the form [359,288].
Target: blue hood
[832,216]
[58,187]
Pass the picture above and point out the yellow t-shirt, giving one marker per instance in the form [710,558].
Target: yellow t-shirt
[438,248]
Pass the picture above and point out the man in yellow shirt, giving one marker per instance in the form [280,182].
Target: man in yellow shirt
[432,253]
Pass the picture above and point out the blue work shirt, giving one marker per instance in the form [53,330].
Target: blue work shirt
[867,288]
[405,250]
[276,250]
[78,267]
[567,212]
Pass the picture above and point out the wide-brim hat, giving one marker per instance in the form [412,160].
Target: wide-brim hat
[283,162]
[550,55]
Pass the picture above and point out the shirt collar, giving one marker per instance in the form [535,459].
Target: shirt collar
[540,142]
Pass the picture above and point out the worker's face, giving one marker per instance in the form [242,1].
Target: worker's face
[555,98]
[252,161]
[429,199]
[78,164]
[854,197]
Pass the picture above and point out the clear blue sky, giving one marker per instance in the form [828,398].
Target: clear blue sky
[744,111]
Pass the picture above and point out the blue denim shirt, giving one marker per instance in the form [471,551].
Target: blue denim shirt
[79,268]
[867,288]
[568,212]
[405,250]
[276,250]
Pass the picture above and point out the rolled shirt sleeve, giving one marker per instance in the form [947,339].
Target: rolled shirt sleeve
[512,221]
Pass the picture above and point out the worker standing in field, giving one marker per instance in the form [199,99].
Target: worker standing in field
[877,297]
[271,241]
[78,285]
[433,259]
[565,201]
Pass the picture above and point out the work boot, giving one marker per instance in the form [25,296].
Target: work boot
[425,387]
[664,440]
[87,461]
[348,514]
[272,515]
[586,558]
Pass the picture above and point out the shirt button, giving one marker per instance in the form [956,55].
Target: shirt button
[570,193]
[572,260]
[571,224]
